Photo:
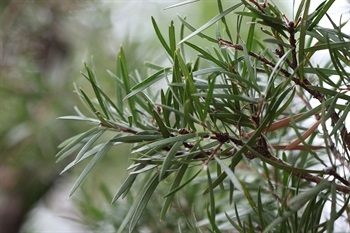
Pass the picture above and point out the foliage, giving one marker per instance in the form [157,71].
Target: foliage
[253,129]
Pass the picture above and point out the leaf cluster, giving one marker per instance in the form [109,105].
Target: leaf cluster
[258,123]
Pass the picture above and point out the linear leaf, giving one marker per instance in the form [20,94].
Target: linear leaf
[341,120]
[298,202]
[208,97]
[180,4]
[124,189]
[230,174]
[89,153]
[92,79]
[279,42]
[146,83]
[161,38]
[167,161]
[88,101]
[162,128]
[320,11]
[145,169]
[136,138]
[126,82]
[231,97]
[79,118]
[172,39]
[211,22]
[142,200]
[90,166]
[302,38]
[171,140]
[333,45]
[75,140]
[207,55]
[88,144]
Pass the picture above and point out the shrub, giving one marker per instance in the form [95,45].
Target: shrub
[252,130]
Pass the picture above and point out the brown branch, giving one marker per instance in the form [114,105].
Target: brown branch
[304,83]
[292,41]
[261,147]
[212,155]
[309,177]
[258,5]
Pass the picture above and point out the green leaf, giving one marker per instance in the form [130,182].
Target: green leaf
[296,203]
[231,97]
[145,169]
[126,82]
[161,38]
[248,65]
[189,85]
[235,225]
[89,153]
[168,141]
[219,179]
[235,181]
[170,156]
[109,101]
[223,19]
[251,34]
[162,128]
[79,118]
[318,14]
[192,29]
[181,4]
[342,119]
[74,141]
[211,22]
[88,101]
[124,189]
[91,165]
[208,98]
[269,20]
[285,167]
[260,210]
[211,208]
[333,214]
[188,118]
[178,187]
[302,37]
[333,45]
[136,138]
[207,55]
[248,196]
[118,87]
[329,92]
[172,39]
[140,204]
[270,89]
[147,82]
[278,42]
[92,79]
[89,143]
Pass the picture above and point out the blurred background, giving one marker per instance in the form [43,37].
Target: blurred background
[43,46]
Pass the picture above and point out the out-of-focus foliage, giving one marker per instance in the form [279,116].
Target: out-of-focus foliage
[249,135]
[40,47]
[35,57]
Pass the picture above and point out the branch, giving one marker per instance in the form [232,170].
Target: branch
[305,83]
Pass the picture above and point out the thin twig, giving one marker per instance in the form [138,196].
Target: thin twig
[304,83]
